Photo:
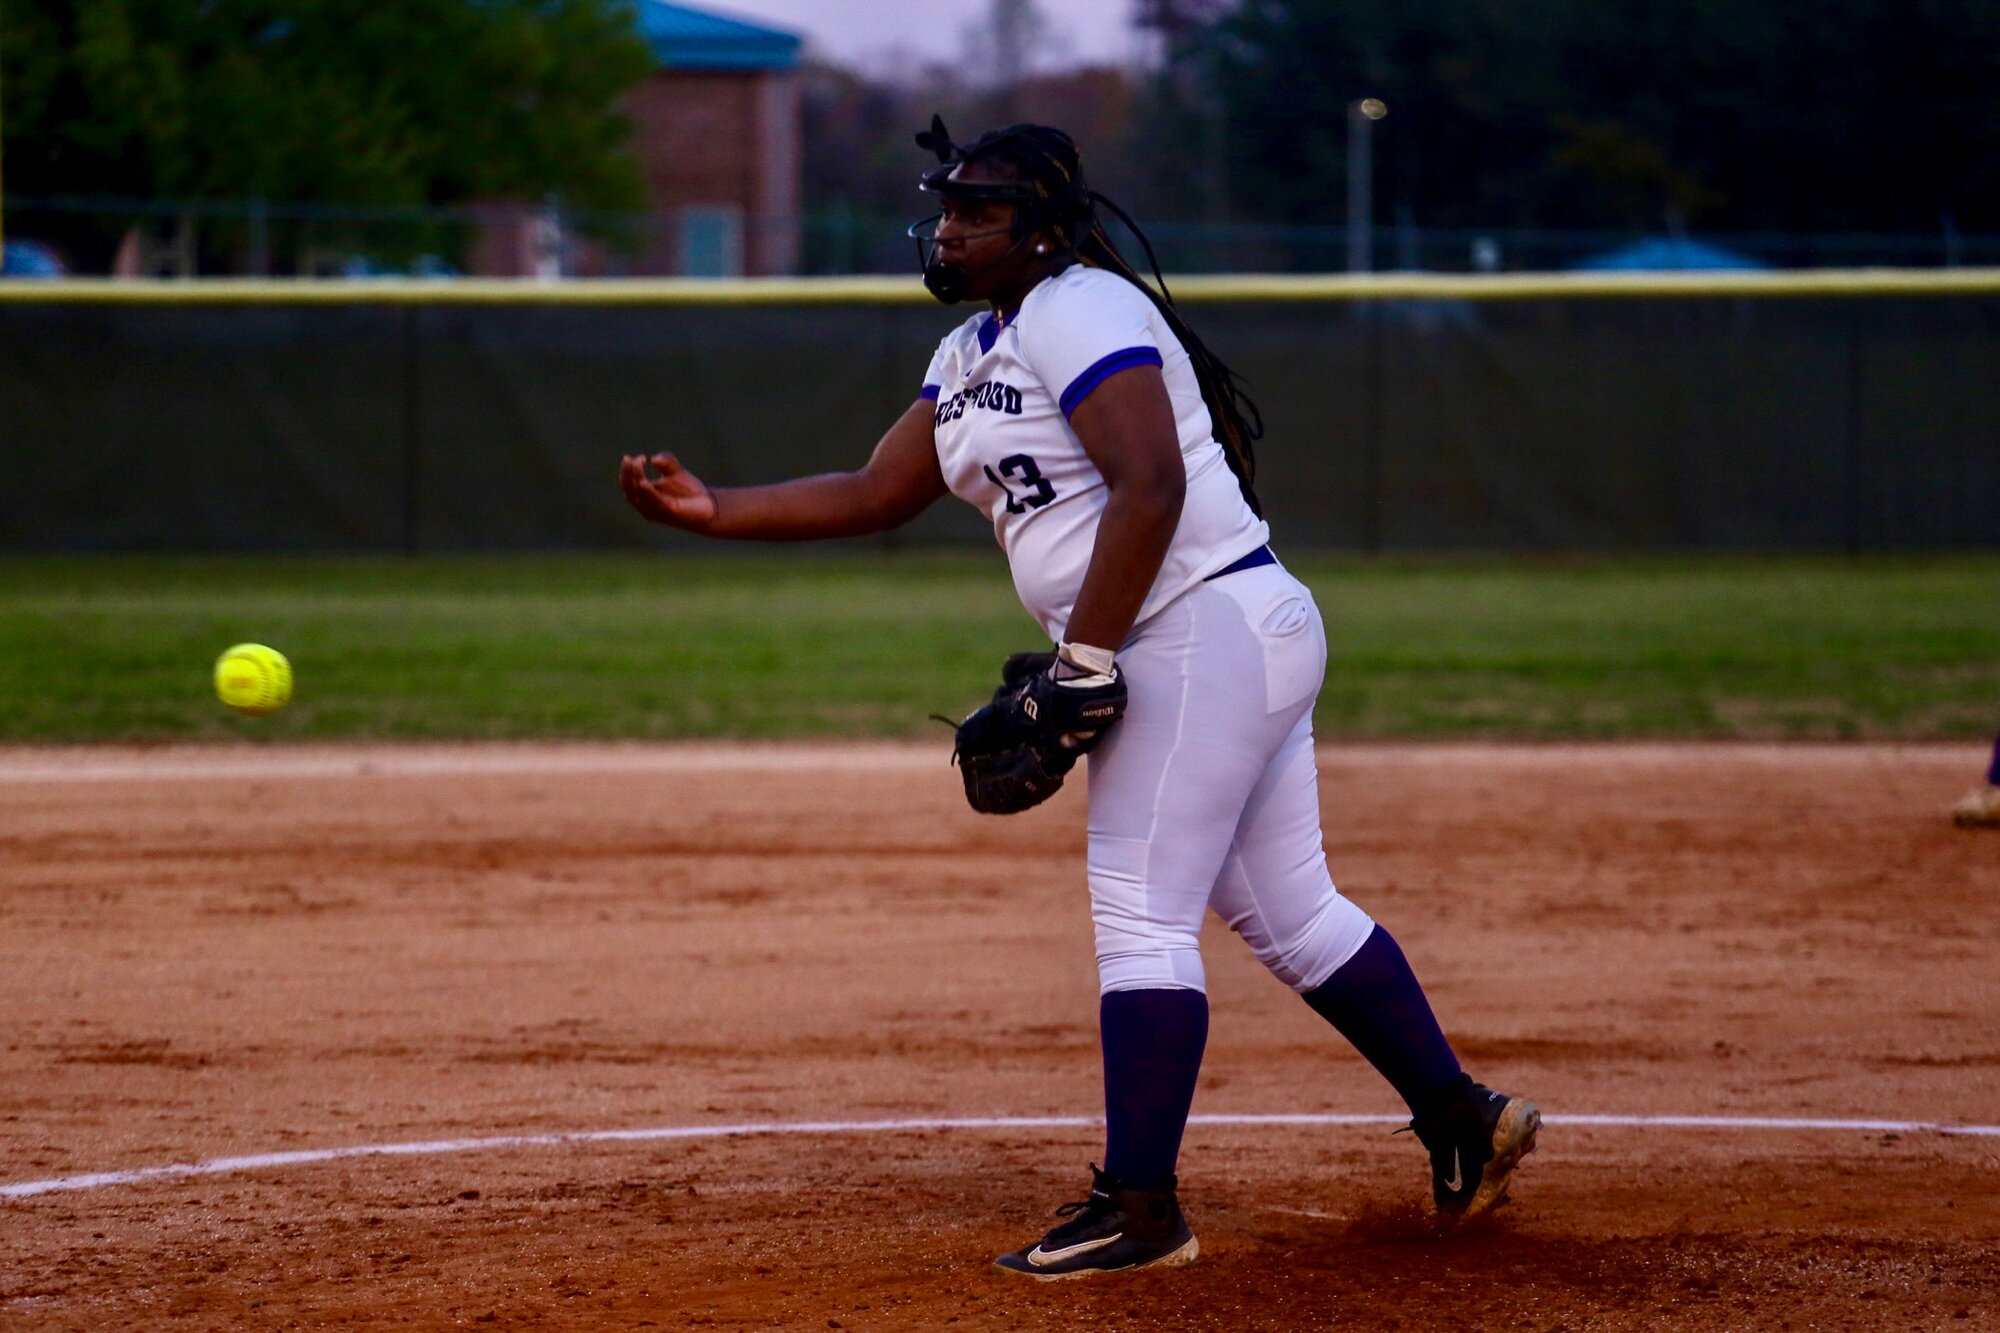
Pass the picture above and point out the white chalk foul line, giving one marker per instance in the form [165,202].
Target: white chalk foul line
[437,1147]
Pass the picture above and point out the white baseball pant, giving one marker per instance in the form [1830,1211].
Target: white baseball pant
[1206,794]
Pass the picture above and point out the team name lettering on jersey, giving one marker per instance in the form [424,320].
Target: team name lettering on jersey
[991,395]
[1019,460]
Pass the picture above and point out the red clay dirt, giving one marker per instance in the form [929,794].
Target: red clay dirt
[218,952]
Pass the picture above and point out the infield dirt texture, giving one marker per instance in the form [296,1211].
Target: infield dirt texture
[228,951]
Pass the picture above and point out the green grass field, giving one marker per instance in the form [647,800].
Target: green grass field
[803,643]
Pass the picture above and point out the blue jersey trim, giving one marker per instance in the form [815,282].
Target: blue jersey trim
[930,392]
[1256,559]
[1103,370]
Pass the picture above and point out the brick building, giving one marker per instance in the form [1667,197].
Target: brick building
[716,132]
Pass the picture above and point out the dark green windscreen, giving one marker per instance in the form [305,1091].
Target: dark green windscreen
[1564,423]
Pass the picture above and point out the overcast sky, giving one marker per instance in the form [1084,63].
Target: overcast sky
[880,34]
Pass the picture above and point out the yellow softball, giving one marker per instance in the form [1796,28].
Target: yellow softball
[253,680]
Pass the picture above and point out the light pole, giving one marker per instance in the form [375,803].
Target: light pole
[1361,118]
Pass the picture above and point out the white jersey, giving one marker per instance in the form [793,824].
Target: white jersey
[1004,394]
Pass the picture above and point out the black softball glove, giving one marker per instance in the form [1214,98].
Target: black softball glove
[1015,752]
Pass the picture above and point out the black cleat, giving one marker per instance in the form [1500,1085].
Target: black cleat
[1475,1143]
[1116,1228]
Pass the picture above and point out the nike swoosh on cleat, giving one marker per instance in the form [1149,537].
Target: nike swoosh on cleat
[1042,1258]
[1457,1181]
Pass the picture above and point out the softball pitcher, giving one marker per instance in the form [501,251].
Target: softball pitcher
[1112,451]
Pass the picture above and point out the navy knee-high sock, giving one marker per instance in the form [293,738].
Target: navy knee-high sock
[1993,769]
[1153,1041]
[1376,1003]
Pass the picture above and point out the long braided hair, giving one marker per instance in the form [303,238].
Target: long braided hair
[1047,160]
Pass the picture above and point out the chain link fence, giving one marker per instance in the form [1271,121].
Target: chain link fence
[148,238]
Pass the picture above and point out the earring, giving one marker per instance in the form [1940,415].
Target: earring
[1041,248]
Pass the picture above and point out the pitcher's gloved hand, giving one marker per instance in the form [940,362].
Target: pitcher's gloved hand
[1049,711]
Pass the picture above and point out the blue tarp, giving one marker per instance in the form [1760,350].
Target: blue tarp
[30,259]
[1670,252]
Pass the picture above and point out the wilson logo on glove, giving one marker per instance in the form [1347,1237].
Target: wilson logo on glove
[1015,752]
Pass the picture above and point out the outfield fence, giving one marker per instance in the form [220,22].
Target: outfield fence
[1824,410]
[187,238]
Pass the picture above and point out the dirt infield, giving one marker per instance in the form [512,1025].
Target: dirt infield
[212,953]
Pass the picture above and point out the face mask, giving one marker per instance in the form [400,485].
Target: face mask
[949,282]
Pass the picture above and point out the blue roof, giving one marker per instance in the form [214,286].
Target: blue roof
[684,38]
[1670,252]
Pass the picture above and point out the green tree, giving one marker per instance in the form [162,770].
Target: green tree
[355,102]
[1741,114]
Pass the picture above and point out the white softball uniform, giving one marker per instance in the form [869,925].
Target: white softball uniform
[1004,395]
[1205,793]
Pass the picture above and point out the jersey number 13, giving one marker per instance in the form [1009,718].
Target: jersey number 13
[1022,468]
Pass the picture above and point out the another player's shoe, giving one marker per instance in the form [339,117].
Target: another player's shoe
[1116,1228]
[1475,1143]
[1978,809]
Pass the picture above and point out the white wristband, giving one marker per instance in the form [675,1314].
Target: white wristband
[1086,660]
